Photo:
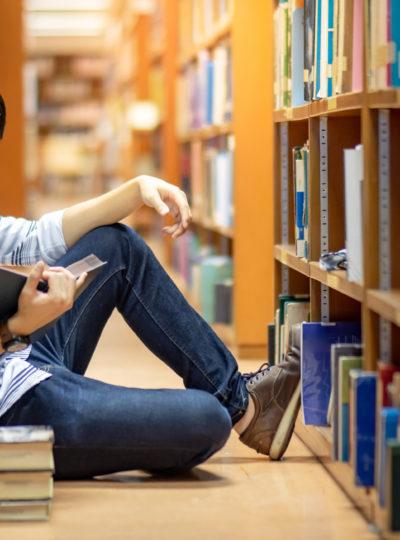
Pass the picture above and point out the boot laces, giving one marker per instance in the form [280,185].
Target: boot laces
[256,376]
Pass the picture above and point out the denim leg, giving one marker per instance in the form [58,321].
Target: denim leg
[135,283]
[101,428]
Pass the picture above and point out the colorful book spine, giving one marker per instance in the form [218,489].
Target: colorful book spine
[387,429]
[364,425]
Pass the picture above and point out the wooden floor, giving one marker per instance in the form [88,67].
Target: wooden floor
[237,494]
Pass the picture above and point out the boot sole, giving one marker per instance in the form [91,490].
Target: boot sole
[285,429]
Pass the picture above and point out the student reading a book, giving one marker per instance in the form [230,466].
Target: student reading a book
[101,428]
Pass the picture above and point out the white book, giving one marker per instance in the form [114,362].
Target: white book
[295,312]
[354,174]
[220,58]
[323,91]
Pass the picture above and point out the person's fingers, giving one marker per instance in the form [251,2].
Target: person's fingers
[81,280]
[152,198]
[171,229]
[35,275]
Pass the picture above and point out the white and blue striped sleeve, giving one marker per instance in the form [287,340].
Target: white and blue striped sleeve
[24,242]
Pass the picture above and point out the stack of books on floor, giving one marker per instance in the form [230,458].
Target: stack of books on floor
[26,473]
[319,50]
[361,407]
[207,276]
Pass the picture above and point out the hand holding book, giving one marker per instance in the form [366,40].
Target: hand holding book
[33,301]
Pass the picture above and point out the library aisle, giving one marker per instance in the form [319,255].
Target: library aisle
[237,494]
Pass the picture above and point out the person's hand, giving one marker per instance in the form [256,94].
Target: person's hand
[36,308]
[166,198]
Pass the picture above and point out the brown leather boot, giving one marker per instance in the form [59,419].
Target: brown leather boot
[276,395]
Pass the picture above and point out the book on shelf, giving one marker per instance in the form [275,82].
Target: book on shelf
[338,350]
[316,341]
[205,90]
[388,421]
[214,270]
[346,363]
[324,40]
[271,343]
[363,426]
[301,190]
[280,329]
[393,484]
[386,373]
[384,44]
[212,181]
[223,302]
[353,179]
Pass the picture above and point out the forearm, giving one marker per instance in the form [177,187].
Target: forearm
[103,210]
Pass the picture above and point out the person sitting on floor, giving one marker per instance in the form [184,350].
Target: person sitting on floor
[102,428]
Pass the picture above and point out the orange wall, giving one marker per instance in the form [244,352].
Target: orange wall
[12,199]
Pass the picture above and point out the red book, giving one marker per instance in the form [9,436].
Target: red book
[385,373]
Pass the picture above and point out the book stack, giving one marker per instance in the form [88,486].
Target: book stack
[26,473]
[301,160]
[205,90]
[384,44]
[319,50]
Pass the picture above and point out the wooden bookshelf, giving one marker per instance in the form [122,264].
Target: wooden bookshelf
[351,119]
[208,132]
[252,121]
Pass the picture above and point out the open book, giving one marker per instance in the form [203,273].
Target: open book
[13,279]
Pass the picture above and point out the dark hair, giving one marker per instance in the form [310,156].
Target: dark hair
[3,116]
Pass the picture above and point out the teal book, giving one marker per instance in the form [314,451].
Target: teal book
[214,270]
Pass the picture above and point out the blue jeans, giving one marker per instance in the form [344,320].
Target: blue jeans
[102,428]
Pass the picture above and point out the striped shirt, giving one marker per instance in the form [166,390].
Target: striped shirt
[24,242]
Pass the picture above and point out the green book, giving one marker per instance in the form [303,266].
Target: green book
[346,363]
[393,483]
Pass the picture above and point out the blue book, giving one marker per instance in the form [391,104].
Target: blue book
[298,57]
[364,424]
[316,342]
[395,29]
[331,22]
[317,63]
[388,422]
[209,91]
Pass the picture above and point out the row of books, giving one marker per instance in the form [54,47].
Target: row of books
[319,46]
[204,96]
[201,18]
[26,473]
[207,171]
[362,407]
[353,167]
[208,277]
[384,44]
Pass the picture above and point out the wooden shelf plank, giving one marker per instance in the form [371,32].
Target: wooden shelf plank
[385,303]
[222,30]
[337,104]
[292,114]
[228,232]
[287,255]
[337,280]
[207,132]
[318,440]
[384,99]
